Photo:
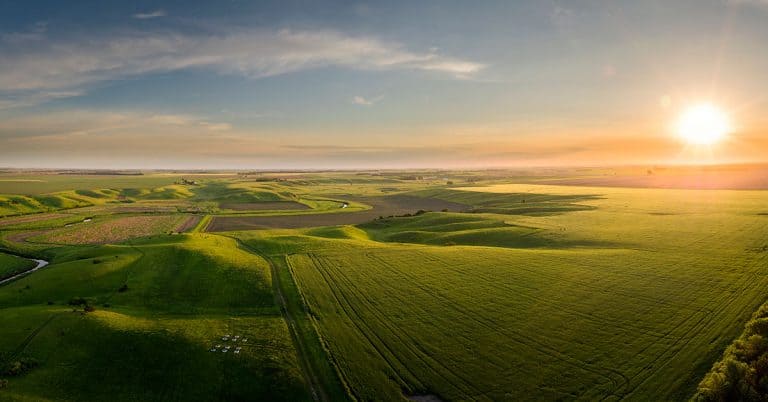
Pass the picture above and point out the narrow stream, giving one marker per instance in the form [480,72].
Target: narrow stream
[40,264]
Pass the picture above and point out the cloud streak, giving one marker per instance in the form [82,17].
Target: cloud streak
[150,15]
[61,66]
[362,101]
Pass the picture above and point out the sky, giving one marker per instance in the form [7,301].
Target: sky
[396,84]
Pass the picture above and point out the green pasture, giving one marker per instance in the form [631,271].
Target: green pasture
[532,292]
[160,305]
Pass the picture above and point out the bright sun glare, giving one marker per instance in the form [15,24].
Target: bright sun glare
[703,124]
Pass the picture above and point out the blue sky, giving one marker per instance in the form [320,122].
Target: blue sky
[353,84]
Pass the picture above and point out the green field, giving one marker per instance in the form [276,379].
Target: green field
[159,306]
[11,265]
[521,292]
[632,298]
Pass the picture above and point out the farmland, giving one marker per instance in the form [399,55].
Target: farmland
[493,288]
[571,307]
[110,230]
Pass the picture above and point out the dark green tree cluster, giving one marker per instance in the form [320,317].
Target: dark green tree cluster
[742,373]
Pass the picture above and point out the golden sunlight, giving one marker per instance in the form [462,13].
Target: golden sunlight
[703,124]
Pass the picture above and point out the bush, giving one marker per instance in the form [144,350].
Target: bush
[16,368]
[742,374]
[78,301]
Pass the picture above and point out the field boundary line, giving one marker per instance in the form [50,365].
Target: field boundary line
[315,388]
[346,306]
[316,329]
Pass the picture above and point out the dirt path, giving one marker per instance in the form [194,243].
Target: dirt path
[318,393]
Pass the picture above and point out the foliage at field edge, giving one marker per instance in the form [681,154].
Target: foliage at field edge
[742,373]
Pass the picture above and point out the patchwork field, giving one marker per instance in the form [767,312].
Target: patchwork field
[380,206]
[428,285]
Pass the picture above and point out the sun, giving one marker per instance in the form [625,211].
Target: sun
[703,124]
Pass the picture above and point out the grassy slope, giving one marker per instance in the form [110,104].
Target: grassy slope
[643,319]
[152,342]
[465,229]
[10,265]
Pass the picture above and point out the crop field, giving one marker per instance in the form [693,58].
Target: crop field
[111,230]
[478,290]
[380,206]
[637,309]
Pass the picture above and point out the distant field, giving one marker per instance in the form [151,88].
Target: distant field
[264,206]
[111,230]
[188,224]
[49,183]
[382,206]
[713,178]
[29,218]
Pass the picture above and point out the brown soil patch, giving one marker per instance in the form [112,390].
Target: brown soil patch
[112,230]
[382,206]
[189,223]
[265,206]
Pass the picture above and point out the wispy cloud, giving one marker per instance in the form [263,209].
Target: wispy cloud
[74,65]
[35,33]
[31,98]
[359,100]
[78,123]
[149,15]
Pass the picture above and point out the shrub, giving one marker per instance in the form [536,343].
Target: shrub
[78,301]
[18,367]
[742,374]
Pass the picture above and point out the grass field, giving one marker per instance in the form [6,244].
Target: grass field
[632,298]
[417,289]
[11,265]
[160,306]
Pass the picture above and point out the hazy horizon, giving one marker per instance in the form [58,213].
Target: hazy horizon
[354,85]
